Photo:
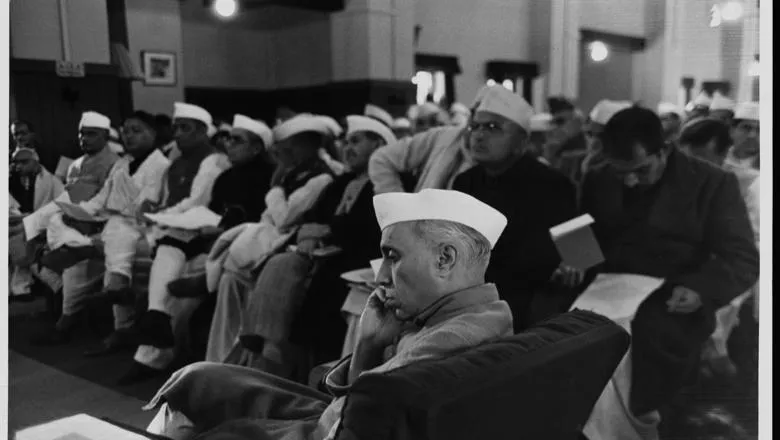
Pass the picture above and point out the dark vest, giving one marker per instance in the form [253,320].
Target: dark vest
[181,174]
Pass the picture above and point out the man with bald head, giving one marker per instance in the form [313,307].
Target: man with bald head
[531,195]
[431,300]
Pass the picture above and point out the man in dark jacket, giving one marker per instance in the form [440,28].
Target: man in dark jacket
[532,196]
[666,215]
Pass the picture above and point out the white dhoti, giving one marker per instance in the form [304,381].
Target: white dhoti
[169,264]
[618,296]
[120,241]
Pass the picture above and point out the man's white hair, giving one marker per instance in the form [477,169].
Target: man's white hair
[437,232]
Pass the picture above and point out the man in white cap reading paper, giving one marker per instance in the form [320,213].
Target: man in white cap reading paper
[110,226]
[85,177]
[531,195]
[431,300]
[188,184]
[678,245]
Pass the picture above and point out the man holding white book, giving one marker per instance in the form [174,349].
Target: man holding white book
[533,196]
[677,226]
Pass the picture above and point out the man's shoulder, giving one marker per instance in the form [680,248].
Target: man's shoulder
[694,169]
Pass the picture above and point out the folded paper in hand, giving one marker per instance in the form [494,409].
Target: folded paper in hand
[78,427]
[192,219]
[76,212]
[576,243]
[617,296]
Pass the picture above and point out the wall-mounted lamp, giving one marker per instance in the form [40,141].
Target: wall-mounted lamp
[491,82]
[729,11]
[225,8]
[598,51]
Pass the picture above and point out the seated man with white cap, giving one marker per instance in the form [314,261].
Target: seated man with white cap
[722,108]
[671,121]
[566,143]
[541,124]
[236,194]
[85,177]
[431,300]
[32,187]
[344,217]
[532,196]
[594,127]
[328,151]
[134,179]
[745,132]
[188,183]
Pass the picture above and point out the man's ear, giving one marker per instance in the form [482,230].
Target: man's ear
[447,258]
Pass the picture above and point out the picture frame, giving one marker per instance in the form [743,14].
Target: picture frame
[159,68]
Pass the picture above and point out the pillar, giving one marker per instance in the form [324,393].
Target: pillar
[373,54]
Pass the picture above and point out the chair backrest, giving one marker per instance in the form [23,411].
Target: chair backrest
[541,383]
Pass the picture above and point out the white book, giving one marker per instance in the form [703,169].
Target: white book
[576,243]
[78,427]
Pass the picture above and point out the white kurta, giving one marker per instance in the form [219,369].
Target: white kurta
[117,202]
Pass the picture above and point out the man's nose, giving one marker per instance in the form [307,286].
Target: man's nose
[383,274]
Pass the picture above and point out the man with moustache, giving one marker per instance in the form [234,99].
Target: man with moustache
[531,195]
[432,299]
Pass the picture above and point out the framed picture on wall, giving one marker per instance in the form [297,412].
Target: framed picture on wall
[159,68]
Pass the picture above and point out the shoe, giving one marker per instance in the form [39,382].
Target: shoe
[155,330]
[189,287]
[138,373]
[124,296]
[65,257]
[58,334]
[114,343]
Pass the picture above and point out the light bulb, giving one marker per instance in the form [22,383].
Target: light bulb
[731,11]
[225,8]
[598,51]
[508,84]
[491,82]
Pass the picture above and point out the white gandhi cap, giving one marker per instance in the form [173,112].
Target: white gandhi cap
[189,111]
[606,109]
[298,124]
[501,101]
[720,102]
[748,111]
[364,123]
[92,119]
[378,113]
[440,204]
[666,108]
[254,126]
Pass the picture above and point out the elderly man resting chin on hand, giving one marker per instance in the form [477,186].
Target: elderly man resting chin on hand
[431,300]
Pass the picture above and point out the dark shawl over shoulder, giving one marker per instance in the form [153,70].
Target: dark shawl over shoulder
[534,198]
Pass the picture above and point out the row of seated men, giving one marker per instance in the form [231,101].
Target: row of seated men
[659,212]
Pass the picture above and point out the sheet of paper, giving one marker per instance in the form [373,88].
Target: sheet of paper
[80,426]
[617,296]
[193,219]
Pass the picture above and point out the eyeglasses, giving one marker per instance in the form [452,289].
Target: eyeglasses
[488,127]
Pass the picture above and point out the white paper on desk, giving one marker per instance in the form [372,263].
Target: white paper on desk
[36,222]
[617,296]
[192,219]
[78,427]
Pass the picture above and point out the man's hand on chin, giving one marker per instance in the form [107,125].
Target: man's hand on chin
[377,329]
